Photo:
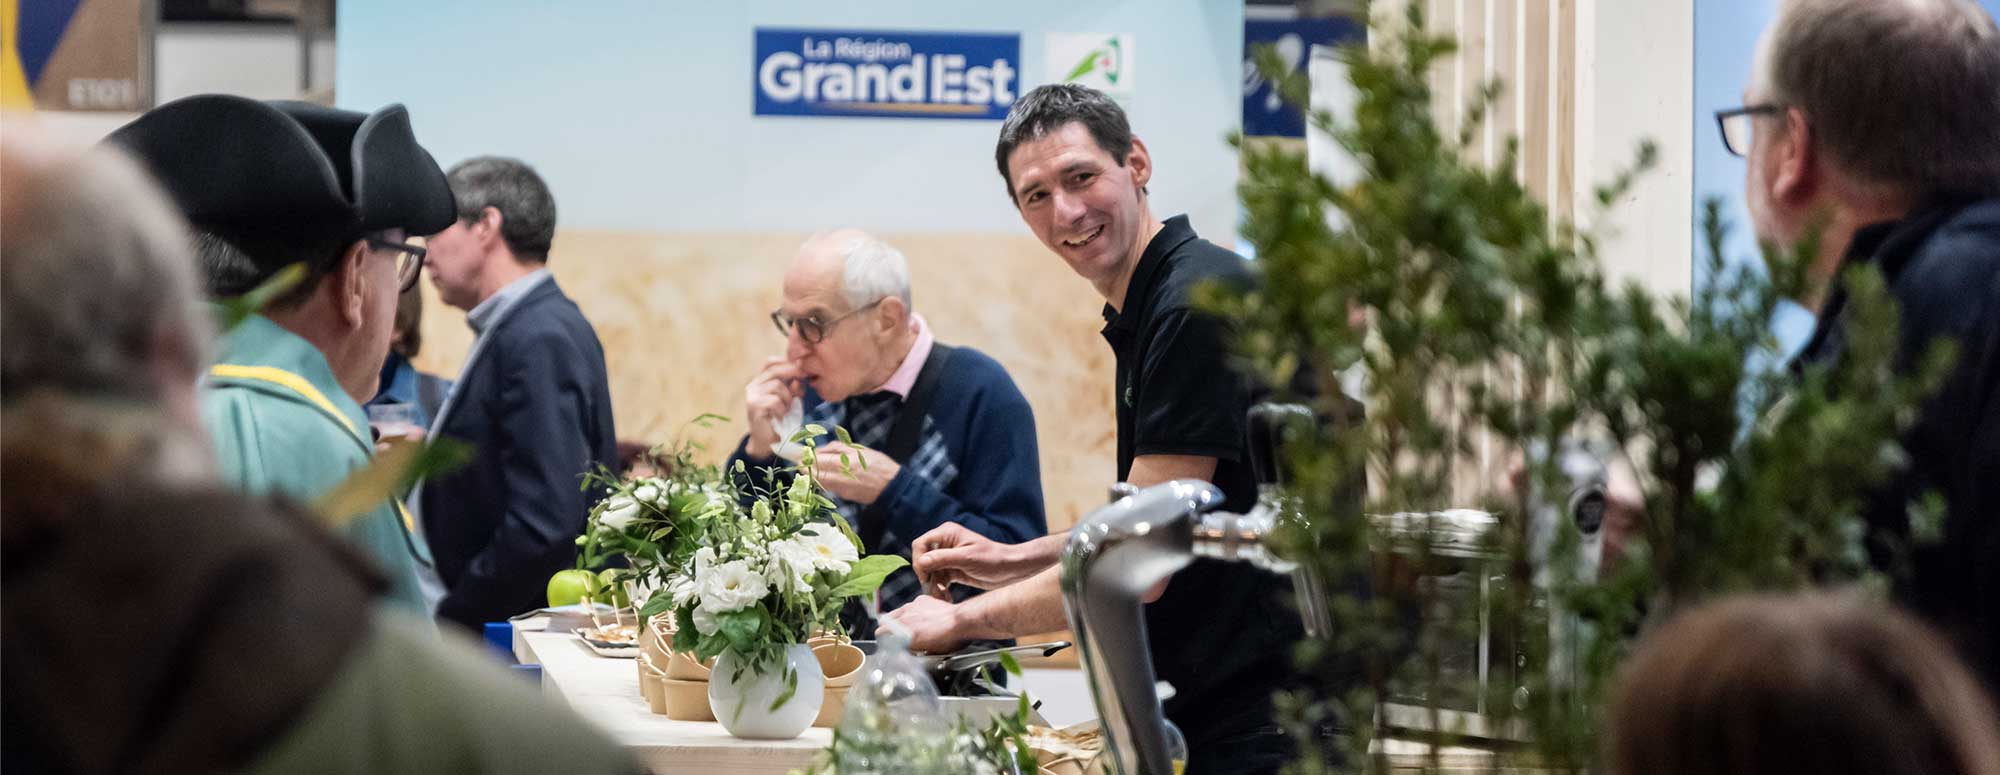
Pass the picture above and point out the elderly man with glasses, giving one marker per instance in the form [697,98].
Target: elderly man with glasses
[945,434]
[270,185]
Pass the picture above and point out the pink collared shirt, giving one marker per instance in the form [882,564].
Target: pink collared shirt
[906,374]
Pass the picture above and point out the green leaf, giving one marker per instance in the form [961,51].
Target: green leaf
[686,637]
[658,604]
[742,627]
[232,312]
[867,574]
[387,475]
[841,433]
[1012,666]
[791,688]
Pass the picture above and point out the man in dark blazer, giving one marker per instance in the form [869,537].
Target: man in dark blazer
[533,400]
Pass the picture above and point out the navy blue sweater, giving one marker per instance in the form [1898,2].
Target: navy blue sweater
[988,477]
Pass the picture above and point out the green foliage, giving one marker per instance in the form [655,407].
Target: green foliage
[231,312]
[868,574]
[698,535]
[1477,322]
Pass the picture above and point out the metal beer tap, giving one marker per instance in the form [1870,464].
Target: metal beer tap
[1119,552]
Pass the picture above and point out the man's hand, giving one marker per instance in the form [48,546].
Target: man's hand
[952,554]
[854,482]
[766,400]
[405,435]
[933,625]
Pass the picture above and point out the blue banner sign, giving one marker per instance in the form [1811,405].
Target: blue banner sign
[817,72]
[1264,115]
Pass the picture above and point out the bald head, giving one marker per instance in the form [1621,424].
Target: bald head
[97,286]
[854,264]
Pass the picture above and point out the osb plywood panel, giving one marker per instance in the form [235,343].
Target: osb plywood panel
[683,318]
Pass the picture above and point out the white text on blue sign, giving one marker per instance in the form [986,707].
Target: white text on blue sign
[817,72]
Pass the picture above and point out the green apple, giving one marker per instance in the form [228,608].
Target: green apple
[610,591]
[568,587]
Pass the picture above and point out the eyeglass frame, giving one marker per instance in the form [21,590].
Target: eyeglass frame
[779,318]
[406,278]
[1722,118]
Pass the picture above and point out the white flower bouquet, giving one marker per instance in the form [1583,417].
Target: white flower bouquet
[759,579]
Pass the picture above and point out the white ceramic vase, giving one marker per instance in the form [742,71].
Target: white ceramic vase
[743,703]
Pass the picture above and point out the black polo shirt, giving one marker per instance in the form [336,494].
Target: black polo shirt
[1222,632]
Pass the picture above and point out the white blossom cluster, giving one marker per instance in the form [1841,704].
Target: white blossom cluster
[753,570]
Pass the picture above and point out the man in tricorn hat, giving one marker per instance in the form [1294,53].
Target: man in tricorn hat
[267,185]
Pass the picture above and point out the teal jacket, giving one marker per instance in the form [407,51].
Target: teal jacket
[282,424]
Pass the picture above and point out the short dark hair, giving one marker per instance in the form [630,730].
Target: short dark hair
[235,264]
[527,209]
[409,337]
[1051,107]
[1902,95]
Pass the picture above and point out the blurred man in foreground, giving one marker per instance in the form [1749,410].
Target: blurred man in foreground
[154,620]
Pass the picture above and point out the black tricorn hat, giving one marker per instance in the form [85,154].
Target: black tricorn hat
[244,168]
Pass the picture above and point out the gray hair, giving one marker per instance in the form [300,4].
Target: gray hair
[95,275]
[233,266]
[527,209]
[1901,94]
[870,270]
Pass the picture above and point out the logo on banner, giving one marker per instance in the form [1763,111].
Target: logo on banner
[1265,113]
[801,72]
[1099,61]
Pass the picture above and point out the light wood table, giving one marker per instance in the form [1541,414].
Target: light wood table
[605,691]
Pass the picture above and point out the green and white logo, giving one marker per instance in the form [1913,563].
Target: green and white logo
[1102,61]
[1107,59]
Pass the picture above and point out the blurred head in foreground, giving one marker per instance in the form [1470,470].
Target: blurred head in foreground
[98,296]
[1820,684]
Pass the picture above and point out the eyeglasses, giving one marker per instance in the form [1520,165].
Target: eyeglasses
[812,329]
[1735,125]
[409,262]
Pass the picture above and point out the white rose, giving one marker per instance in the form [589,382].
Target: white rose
[704,622]
[646,493]
[618,513]
[831,550]
[791,565]
[732,586]
[683,590]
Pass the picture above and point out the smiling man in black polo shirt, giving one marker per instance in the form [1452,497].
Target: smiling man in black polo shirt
[1219,632]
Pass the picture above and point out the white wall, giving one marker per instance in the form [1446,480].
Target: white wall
[1635,72]
[639,113]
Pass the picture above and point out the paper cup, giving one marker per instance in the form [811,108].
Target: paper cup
[682,667]
[685,700]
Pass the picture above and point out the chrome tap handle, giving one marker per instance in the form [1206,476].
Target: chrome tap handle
[1113,557]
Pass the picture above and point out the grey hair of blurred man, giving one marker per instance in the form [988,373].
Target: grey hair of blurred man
[98,295]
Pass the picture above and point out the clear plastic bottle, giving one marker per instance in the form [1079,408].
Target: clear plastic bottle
[1177,748]
[894,723]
